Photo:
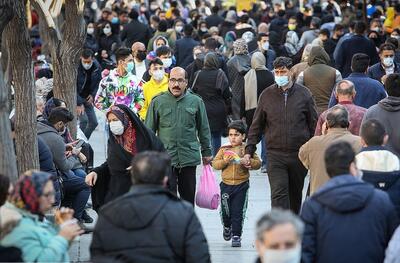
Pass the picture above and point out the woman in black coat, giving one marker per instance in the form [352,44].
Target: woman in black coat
[128,136]
[212,85]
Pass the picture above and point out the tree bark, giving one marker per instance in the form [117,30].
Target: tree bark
[20,63]
[65,51]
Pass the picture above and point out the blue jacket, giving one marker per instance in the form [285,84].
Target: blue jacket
[347,220]
[184,51]
[377,71]
[369,91]
[82,77]
[38,240]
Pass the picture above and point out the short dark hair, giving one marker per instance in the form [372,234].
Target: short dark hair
[281,13]
[211,44]
[373,132]
[244,18]
[155,18]
[162,26]
[360,62]
[360,27]
[163,50]
[238,125]
[393,41]
[325,32]
[60,114]
[133,14]
[338,27]
[87,53]
[150,167]
[122,53]
[337,117]
[155,61]
[386,46]
[188,30]
[316,22]
[4,185]
[261,35]
[176,12]
[338,157]
[282,62]
[215,9]
[392,85]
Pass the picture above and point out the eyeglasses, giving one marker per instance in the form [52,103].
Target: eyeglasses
[49,194]
[179,81]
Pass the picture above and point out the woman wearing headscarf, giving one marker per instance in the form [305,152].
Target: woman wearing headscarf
[212,85]
[292,47]
[37,238]
[238,66]
[255,82]
[227,48]
[127,136]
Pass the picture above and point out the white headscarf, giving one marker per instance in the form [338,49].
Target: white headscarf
[250,80]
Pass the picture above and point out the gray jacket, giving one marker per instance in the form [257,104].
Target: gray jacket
[56,145]
[387,111]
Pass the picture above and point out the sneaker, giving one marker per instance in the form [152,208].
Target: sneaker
[86,218]
[85,228]
[264,169]
[227,233]
[236,241]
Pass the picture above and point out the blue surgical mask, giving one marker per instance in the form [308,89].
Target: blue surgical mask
[115,20]
[129,66]
[282,80]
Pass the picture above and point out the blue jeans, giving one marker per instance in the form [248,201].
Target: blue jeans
[76,193]
[80,173]
[215,142]
[88,120]
[264,152]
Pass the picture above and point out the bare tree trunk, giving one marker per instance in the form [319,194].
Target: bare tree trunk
[20,62]
[8,163]
[65,51]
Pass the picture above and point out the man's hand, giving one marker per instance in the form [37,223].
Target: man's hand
[91,179]
[80,110]
[383,79]
[207,160]
[89,99]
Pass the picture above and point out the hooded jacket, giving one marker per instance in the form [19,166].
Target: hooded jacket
[319,77]
[148,224]
[347,220]
[57,146]
[387,111]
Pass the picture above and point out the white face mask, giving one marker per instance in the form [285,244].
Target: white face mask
[388,62]
[87,65]
[106,30]
[167,62]
[179,28]
[90,30]
[158,75]
[396,37]
[265,46]
[292,255]
[116,127]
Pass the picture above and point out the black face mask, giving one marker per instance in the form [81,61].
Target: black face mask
[141,55]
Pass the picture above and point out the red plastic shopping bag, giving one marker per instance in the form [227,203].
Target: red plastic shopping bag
[208,193]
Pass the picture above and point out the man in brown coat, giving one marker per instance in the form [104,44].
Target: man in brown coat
[311,154]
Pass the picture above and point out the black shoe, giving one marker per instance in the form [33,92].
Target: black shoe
[227,233]
[85,228]
[236,241]
[86,218]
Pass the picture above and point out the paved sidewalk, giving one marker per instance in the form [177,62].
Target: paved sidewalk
[221,251]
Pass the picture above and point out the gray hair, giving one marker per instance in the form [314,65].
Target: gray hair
[337,117]
[348,88]
[278,217]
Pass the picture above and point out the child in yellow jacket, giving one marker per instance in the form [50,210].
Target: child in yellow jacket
[235,181]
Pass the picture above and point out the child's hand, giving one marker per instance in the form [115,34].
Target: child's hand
[228,158]
[245,162]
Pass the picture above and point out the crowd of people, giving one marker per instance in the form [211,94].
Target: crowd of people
[318,85]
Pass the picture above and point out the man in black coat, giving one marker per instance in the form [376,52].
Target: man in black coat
[215,19]
[386,65]
[184,47]
[135,31]
[347,220]
[356,44]
[149,223]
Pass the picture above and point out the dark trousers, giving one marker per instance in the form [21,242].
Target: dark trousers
[88,120]
[286,177]
[215,142]
[233,206]
[76,193]
[183,180]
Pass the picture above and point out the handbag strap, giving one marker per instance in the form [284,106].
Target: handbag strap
[194,81]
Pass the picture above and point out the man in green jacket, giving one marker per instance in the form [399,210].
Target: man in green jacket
[179,119]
